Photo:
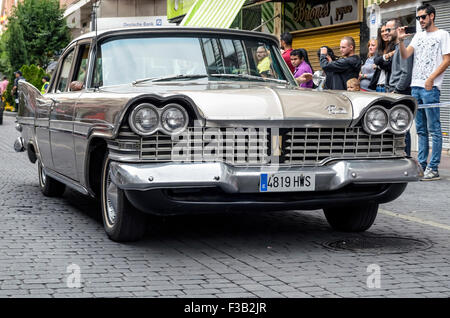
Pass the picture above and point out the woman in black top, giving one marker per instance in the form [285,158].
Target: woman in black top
[382,60]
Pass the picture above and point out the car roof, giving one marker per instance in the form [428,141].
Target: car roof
[172,29]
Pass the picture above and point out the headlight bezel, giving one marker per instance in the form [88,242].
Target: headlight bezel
[185,115]
[410,122]
[132,119]
[159,111]
[365,119]
[388,112]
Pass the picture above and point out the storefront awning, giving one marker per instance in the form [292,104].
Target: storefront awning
[368,3]
[213,13]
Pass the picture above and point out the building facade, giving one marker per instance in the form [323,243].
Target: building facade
[313,23]
[113,14]
[6,9]
[7,6]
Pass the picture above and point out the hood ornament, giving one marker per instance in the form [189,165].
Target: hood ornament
[335,110]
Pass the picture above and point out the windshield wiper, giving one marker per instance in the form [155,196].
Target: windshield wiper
[169,78]
[251,77]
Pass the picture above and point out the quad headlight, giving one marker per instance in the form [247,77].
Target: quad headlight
[376,120]
[174,119]
[146,119]
[379,119]
[400,119]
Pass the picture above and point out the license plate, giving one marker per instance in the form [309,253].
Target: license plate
[287,181]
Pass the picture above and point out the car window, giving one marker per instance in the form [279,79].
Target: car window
[125,60]
[65,72]
[213,56]
[240,57]
[80,73]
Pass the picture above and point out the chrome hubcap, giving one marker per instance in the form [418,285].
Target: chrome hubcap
[111,200]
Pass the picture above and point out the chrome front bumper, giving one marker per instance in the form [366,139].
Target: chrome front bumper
[232,179]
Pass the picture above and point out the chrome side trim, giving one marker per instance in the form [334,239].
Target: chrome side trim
[68,182]
[25,120]
[61,126]
[233,179]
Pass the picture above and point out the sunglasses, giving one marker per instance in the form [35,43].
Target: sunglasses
[423,17]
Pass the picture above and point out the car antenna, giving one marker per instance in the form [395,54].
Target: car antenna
[95,6]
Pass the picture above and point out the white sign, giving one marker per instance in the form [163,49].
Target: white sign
[132,22]
[374,20]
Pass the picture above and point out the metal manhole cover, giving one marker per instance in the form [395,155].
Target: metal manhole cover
[379,245]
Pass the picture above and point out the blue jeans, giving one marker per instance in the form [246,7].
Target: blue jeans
[381,89]
[428,122]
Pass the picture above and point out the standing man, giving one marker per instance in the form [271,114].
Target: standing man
[431,50]
[15,89]
[345,68]
[401,71]
[286,46]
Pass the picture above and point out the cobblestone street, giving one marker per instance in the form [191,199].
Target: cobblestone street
[293,254]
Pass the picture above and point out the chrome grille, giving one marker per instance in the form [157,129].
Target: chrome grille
[312,146]
[255,146]
[232,145]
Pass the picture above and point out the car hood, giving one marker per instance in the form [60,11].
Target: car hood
[224,101]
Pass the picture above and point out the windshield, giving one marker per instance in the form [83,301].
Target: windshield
[135,60]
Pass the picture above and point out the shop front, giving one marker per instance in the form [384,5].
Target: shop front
[314,24]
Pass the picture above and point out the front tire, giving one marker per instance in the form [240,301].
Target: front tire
[357,218]
[121,220]
[49,186]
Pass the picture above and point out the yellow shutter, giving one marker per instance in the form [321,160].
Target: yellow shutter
[313,40]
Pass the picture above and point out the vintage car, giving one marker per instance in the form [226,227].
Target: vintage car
[195,120]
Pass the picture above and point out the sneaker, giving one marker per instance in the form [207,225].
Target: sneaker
[430,175]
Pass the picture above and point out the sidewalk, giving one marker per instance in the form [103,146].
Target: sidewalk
[445,159]
[10,114]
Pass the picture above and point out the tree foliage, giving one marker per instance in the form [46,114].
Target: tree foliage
[44,31]
[36,31]
[33,74]
[15,47]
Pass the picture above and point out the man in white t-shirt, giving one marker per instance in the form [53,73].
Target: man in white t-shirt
[431,49]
